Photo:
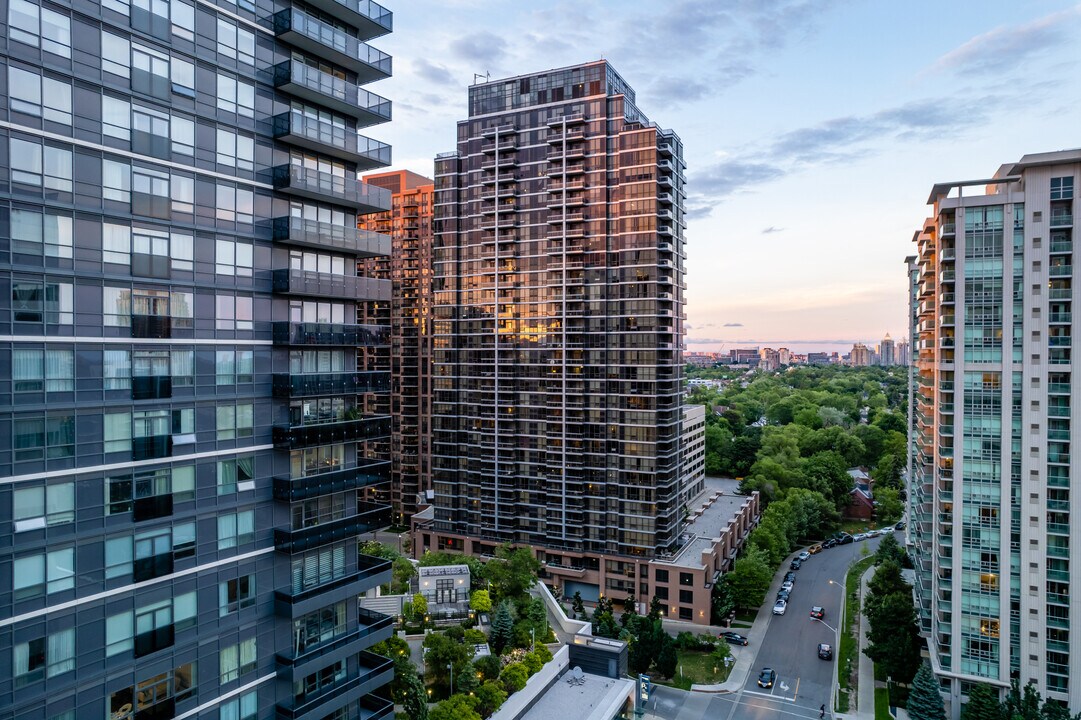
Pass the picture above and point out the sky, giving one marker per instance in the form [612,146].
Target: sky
[813,130]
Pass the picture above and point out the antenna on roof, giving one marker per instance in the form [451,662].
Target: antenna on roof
[487,76]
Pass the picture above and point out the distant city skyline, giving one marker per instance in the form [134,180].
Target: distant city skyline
[803,191]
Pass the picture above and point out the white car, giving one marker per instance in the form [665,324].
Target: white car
[859,537]
[787,585]
[780,607]
[804,556]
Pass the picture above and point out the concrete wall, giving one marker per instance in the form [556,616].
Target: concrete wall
[571,627]
[520,701]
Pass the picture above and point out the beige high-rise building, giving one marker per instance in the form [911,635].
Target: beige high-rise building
[995,407]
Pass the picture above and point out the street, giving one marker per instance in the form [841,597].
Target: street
[790,647]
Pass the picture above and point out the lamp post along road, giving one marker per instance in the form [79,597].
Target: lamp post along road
[450,666]
[836,685]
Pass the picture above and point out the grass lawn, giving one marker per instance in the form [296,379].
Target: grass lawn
[882,704]
[848,653]
[697,668]
[746,616]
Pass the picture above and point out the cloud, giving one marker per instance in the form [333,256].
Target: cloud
[482,47]
[438,74]
[772,229]
[1007,47]
[730,176]
[733,325]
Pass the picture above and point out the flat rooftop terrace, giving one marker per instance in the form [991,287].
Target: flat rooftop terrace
[597,697]
[707,524]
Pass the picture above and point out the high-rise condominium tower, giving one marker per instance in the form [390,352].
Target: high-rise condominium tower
[188,456]
[409,267]
[887,351]
[558,326]
[996,410]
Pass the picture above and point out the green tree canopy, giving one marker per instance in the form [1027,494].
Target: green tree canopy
[924,698]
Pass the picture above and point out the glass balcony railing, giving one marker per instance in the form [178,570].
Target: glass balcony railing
[327,236]
[322,136]
[292,437]
[339,95]
[370,18]
[289,489]
[298,28]
[369,517]
[302,333]
[297,385]
[327,187]
[1060,270]
[317,284]
[1061,219]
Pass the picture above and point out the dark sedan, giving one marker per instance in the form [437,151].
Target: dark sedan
[766,678]
[734,638]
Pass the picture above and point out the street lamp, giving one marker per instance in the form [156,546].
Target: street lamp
[840,627]
[450,667]
[532,639]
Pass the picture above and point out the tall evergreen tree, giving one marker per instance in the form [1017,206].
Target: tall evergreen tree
[414,698]
[502,628]
[983,704]
[578,607]
[924,699]
[655,608]
[1023,703]
[667,658]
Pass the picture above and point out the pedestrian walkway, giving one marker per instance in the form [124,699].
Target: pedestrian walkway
[865,692]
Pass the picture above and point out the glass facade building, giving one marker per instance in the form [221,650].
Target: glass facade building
[992,423]
[191,427]
[558,328]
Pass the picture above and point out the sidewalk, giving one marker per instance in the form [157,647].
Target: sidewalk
[865,697]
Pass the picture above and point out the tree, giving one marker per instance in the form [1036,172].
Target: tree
[750,578]
[889,550]
[722,603]
[924,699]
[656,609]
[514,677]
[414,699]
[1023,703]
[439,558]
[441,652]
[511,572]
[537,614]
[480,601]
[402,572]
[457,707]
[983,704]
[502,632]
[889,505]
[578,607]
[466,681]
[490,697]
[667,658]
[420,605]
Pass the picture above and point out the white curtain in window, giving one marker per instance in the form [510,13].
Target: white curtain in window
[61,570]
[59,370]
[22,659]
[228,663]
[226,476]
[183,363]
[61,652]
[25,367]
[245,523]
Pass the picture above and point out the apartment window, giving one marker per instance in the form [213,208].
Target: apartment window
[43,370]
[235,150]
[233,258]
[37,507]
[233,595]
[235,204]
[40,165]
[161,74]
[245,707]
[237,660]
[313,311]
[43,97]
[177,684]
[319,627]
[43,574]
[318,361]
[39,27]
[318,511]
[318,568]
[235,421]
[123,492]
[318,681]
[234,366]
[182,363]
[236,529]
[234,312]
[319,213]
[41,233]
[44,657]
[313,461]
[236,96]
[235,42]
[116,243]
[318,262]
[236,475]
[686,578]
[117,432]
[153,187]
[1062,188]
[116,369]
[116,180]
[36,301]
[44,436]
[115,52]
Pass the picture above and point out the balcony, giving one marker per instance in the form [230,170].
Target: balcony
[375,671]
[151,326]
[1062,270]
[299,385]
[324,137]
[323,40]
[151,447]
[371,571]
[328,285]
[151,387]
[371,19]
[288,489]
[327,236]
[324,89]
[1061,220]
[1061,246]
[1060,317]
[503,161]
[505,144]
[372,517]
[287,333]
[948,228]
[322,186]
[292,437]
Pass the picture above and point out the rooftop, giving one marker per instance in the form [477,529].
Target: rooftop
[706,525]
[597,694]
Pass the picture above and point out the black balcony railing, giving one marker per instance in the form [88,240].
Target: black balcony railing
[154,446]
[322,39]
[152,387]
[151,508]
[286,333]
[300,436]
[324,89]
[343,287]
[327,236]
[151,326]
[291,385]
[375,671]
[371,517]
[288,489]
[375,707]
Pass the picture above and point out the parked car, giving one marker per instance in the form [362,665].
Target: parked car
[860,537]
[825,651]
[766,678]
[783,595]
[780,607]
[733,638]
[818,612]
[899,526]
[804,556]
[844,539]
[814,549]
[828,544]
[790,576]
[787,585]
[796,564]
